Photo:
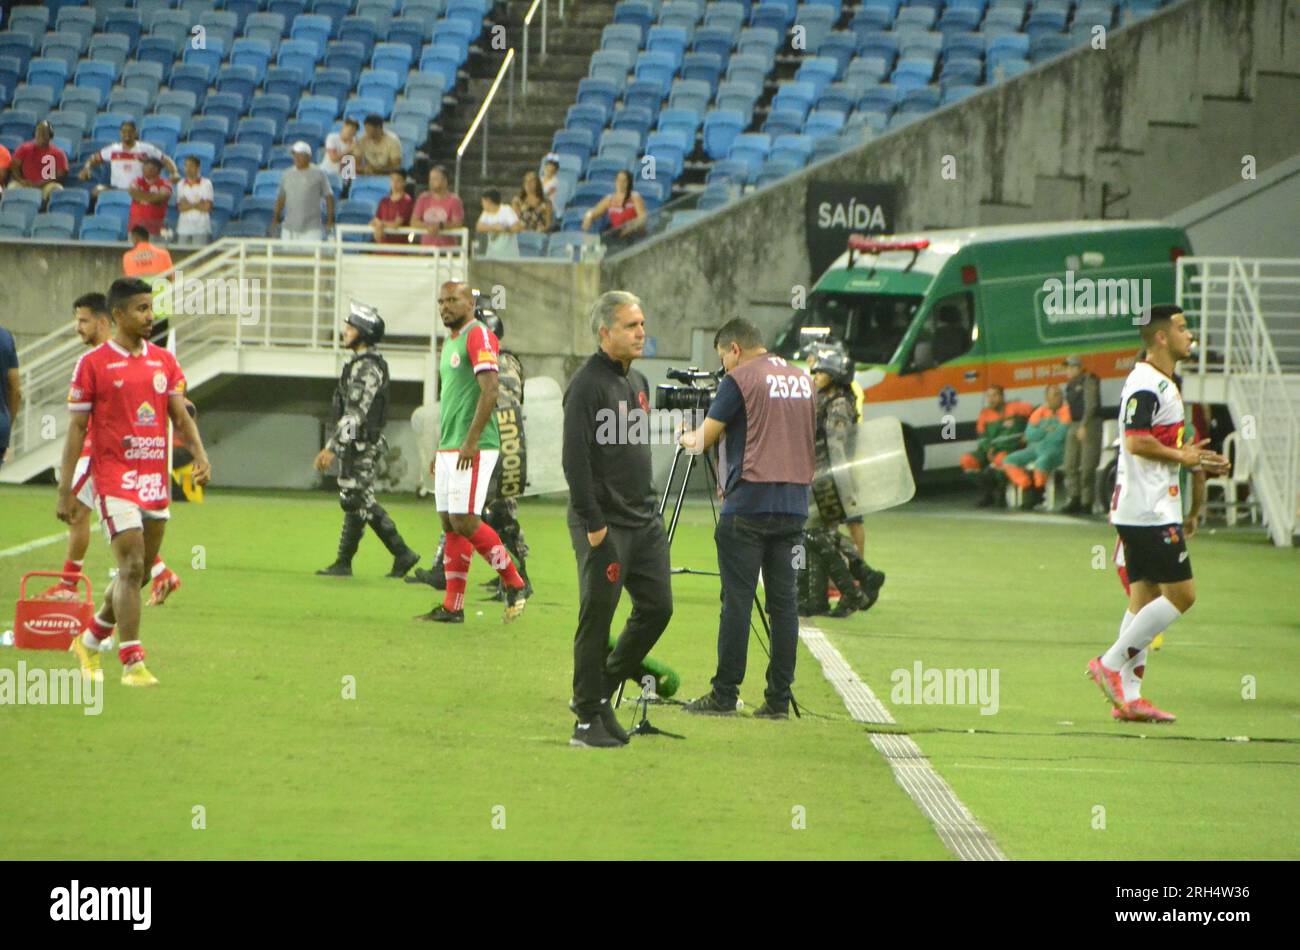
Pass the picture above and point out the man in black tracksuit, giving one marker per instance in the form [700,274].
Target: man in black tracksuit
[618,536]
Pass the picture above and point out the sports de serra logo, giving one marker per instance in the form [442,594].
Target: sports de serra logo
[160,382]
[455,360]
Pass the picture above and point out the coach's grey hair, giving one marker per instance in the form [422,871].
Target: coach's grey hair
[608,304]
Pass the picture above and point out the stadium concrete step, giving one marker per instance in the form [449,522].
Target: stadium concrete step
[552,88]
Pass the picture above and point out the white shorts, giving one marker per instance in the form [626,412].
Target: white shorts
[83,485]
[460,491]
[117,515]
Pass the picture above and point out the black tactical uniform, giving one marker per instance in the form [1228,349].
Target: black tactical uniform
[360,409]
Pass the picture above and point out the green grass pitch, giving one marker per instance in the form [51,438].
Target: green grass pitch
[455,744]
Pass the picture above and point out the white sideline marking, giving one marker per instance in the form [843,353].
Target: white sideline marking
[33,545]
[957,828]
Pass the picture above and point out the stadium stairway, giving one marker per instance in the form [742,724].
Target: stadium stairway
[553,83]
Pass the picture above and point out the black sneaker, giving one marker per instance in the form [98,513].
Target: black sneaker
[441,614]
[403,563]
[1072,507]
[594,735]
[709,705]
[337,569]
[767,712]
[610,719]
[435,579]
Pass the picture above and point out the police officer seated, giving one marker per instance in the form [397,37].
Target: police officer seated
[360,409]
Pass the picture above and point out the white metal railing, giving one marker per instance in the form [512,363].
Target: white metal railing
[1239,305]
[529,17]
[481,118]
[239,294]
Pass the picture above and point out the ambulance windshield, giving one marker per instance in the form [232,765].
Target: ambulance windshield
[871,325]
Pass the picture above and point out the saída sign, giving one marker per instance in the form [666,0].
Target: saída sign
[835,211]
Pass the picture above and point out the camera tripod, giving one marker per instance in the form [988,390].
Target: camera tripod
[711,478]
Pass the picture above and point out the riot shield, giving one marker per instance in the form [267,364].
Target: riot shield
[867,472]
[543,435]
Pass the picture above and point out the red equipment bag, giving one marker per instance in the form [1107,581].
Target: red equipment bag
[41,624]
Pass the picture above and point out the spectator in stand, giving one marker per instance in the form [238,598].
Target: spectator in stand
[338,145]
[126,160]
[6,159]
[496,218]
[531,205]
[500,223]
[551,177]
[194,203]
[394,211]
[1083,445]
[302,189]
[150,195]
[39,163]
[378,152]
[624,208]
[1000,427]
[1030,468]
[438,210]
[145,259]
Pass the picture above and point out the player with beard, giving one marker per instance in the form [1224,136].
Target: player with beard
[1146,509]
[468,446]
[127,389]
[94,326]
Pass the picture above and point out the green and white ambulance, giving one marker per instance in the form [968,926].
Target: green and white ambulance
[934,318]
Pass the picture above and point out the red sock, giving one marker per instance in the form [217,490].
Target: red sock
[131,652]
[70,570]
[488,543]
[456,557]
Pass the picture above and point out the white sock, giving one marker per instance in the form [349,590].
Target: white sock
[157,569]
[1123,628]
[1151,620]
[1131,677]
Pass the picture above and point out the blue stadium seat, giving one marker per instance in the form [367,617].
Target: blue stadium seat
[796,149]
[300,55]
[267,184]
[635,118]
[268,26]
[635,12]
[821,124]
[53,226]
[24,202]
[359,29]
[69,124]
[111,48]
[259,132]
[230,180]
[35,99]
[116,204]
[270,105]
[73,202]
[783,122]
[726,15]
[333,83]
[795,95]
[882,98]
[18,123]
[717,40]
[50,73]
[1043,46]
[599,91]
[109,124]
[20,47]
[772,16]
[773,171]
[244,156]
[322,109]
[313,29]
[192,78]
[706,67]
[735,173]
[721,127]
[961,72]
[208,59]
[123,23]
[102,227]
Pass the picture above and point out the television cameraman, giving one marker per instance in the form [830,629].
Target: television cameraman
[765,417]
[617,534]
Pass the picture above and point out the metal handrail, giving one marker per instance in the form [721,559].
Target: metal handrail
[481,117]
[528,21]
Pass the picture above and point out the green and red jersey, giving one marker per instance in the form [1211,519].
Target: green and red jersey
[472,350]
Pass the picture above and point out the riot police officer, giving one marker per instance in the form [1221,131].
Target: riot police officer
[360,409]
[501,511]
[830,553]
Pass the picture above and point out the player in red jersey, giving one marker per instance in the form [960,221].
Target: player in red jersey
[94,326]
[127,388]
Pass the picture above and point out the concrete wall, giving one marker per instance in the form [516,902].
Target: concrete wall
[44,277]
[1251,219]
[1154,122]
